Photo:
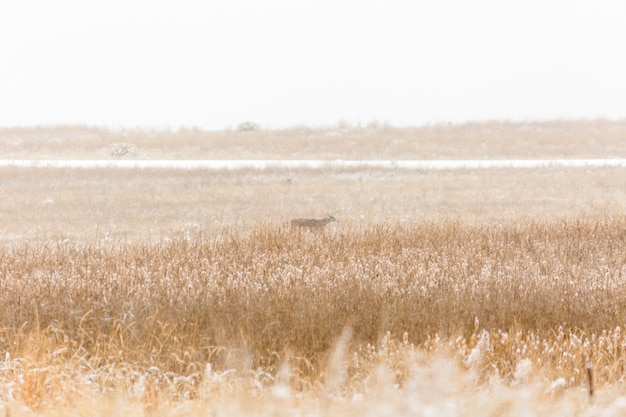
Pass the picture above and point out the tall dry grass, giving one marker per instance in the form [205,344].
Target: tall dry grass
[404,317]
[438,293]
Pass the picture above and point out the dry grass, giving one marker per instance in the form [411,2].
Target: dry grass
[137,205]
[340,322]
[494,140]
[472,292]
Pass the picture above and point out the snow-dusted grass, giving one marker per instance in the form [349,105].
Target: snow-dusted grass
[438,293]
[287,164]
[441,318]
[575,139]
[147,205]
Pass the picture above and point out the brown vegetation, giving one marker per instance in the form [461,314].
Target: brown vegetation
[163,292]
[147,205]
[492,140]
[515,302]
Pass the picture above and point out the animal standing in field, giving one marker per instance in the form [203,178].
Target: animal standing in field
[312,224]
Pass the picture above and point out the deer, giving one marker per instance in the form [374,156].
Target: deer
[312,224]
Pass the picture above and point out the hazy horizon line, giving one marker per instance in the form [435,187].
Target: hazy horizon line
[340,125]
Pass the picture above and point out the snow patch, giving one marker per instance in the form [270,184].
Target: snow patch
[314,164]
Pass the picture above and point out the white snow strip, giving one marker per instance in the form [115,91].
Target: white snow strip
[314,164]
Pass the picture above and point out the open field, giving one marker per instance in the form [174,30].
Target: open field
[140,205]
[437,293]
[495,140]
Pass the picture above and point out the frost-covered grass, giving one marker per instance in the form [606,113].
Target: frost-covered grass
[491,140]
[148,205]
[437,318]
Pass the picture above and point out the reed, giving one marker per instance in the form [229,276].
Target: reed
[331,320]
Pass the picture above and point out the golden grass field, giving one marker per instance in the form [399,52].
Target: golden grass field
[493,292]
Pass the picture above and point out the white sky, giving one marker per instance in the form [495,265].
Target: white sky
[213,64]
